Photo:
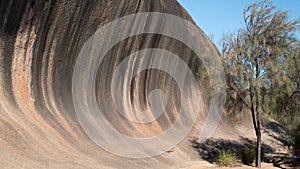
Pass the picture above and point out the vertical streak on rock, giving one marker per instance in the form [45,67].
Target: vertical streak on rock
[30,86]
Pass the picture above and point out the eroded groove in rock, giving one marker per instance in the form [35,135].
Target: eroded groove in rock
[39,44]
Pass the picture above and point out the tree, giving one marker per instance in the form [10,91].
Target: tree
[255,58]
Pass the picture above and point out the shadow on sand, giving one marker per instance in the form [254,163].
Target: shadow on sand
[276,131]
[211,148]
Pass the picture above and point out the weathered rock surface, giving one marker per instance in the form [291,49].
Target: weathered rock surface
[39,43]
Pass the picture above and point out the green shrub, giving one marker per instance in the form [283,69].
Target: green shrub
[248,155]
[293,138]
[228,159]
[297,141]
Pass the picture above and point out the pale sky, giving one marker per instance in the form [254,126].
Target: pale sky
[216,17]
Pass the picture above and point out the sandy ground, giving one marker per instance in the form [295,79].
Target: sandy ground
[210,166]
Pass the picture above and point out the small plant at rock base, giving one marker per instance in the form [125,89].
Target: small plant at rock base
[228,159]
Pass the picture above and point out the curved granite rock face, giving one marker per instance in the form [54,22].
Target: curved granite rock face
[40,42]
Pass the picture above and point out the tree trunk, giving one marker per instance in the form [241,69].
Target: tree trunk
[256,124]
[258,146]
[257,111]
